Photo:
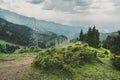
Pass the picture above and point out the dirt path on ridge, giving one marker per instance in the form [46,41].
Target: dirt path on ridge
[10,68]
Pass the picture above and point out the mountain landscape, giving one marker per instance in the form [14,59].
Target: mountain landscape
[44,26]
[20,34]
[59,40]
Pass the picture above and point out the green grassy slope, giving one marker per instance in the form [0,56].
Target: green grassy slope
[2,42]
[100,69]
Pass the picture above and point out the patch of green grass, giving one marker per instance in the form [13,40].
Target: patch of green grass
[2,42]
[89,71]
[99,69]
[37,75]
[3,55]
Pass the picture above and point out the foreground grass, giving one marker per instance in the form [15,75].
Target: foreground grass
[101,69]
[89,71]
[3,55]
[97,71]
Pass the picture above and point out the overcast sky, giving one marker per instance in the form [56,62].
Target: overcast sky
[102,13]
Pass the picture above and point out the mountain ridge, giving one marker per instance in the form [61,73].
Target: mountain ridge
[46,26]
[60,29]
[20,34]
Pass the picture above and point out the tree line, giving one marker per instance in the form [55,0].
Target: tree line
[8,48]
[91,37]
[113,43]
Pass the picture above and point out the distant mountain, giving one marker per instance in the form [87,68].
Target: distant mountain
[103,36]
[20,34]
[43,26]
[46,26]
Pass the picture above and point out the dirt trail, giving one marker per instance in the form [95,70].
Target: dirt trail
[10,68]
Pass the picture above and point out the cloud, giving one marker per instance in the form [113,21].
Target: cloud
[116,2]
[1,1]
[73,12]
[36,1]
[71,6]
[83,3]
[59,5]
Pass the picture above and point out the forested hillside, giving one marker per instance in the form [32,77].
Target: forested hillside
[20,34]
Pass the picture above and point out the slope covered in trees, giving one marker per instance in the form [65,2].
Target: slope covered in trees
[20,34]
[112,43]
[103,36]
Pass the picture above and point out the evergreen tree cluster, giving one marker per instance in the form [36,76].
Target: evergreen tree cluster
[91,37]
[8,48]
[113,43]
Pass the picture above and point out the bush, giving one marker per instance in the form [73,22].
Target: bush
[106,53]
[85,45]
[22,50]
[70,48]
[75,49]
[26,49]
[8,48]
[101,55]
[116,62]
[34,49]
[63,60]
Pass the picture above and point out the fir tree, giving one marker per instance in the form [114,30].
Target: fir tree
[81,37]
[93,37]
[113,43]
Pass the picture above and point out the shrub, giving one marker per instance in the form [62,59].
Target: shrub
[106,53]
[116,62]
[75,49]
[85,45]
[69,48]
[8,48]
[63,60]
[22,50]
[26,49]
[101,55]
[34,49]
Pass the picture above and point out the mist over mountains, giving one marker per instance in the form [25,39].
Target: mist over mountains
[45,26]
[23,35]
[42,25]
